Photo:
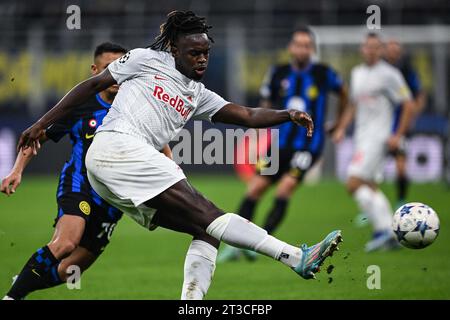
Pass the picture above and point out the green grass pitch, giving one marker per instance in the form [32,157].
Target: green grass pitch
[149,265]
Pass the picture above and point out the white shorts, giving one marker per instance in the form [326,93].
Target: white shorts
[126,172]
[368,161]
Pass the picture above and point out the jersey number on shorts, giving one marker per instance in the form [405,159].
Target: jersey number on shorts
[108,229]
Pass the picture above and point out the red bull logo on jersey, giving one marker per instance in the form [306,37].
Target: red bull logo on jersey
[175,102]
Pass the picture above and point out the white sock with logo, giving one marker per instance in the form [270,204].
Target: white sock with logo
[199,267]
[239,232]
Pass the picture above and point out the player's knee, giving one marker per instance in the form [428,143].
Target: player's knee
[350,188]
[208,212]
[256,191]
[284,193]
[254,194]
[257,186]
[285,190]
[62,247]
[69,246]
[352,185]
[203,236]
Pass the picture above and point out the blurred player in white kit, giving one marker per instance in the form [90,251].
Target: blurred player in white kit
[376,88]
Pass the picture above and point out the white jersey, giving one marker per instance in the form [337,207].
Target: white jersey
[155,100]
[376,91]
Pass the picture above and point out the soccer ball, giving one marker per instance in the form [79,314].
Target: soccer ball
[416,225]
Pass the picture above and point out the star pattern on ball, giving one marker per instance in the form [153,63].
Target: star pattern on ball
[405,210]
[400,234]
[422,226]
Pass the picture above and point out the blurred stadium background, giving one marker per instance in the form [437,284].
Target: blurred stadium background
[40,60]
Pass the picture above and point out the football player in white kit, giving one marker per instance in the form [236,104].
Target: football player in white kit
[159,92]
[376,88]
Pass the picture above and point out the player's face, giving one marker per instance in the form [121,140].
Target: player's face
[191,53]
[101,62]
[393,51]
[301,47]
[372,50]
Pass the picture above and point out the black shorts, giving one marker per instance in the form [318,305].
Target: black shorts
[100,219]
[295,163]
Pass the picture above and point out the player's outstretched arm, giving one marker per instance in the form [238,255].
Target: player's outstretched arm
[262,118]
[79,94]
[12,181]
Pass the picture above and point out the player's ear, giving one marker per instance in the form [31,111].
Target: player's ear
[94,69]
[174,50]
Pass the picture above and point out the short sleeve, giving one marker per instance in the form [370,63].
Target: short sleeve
[210,103]
[129,65]
[58,130]
[334,80]
[397,87]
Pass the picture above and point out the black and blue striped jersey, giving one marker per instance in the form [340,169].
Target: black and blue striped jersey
[413,81]
[305,90]
[80,127]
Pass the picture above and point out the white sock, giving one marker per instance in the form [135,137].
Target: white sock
[199,268]
[7,298]
[374,205]
[383,210]
[364,197]
[239,232]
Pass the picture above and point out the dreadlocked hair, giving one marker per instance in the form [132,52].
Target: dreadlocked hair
[179,23]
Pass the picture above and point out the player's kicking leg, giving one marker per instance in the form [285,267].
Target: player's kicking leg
[256,188]
[189,208]
[156,183]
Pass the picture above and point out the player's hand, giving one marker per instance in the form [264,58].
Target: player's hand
[338,135]
[394,142]
[10,183]
[30,138]
[302,119]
